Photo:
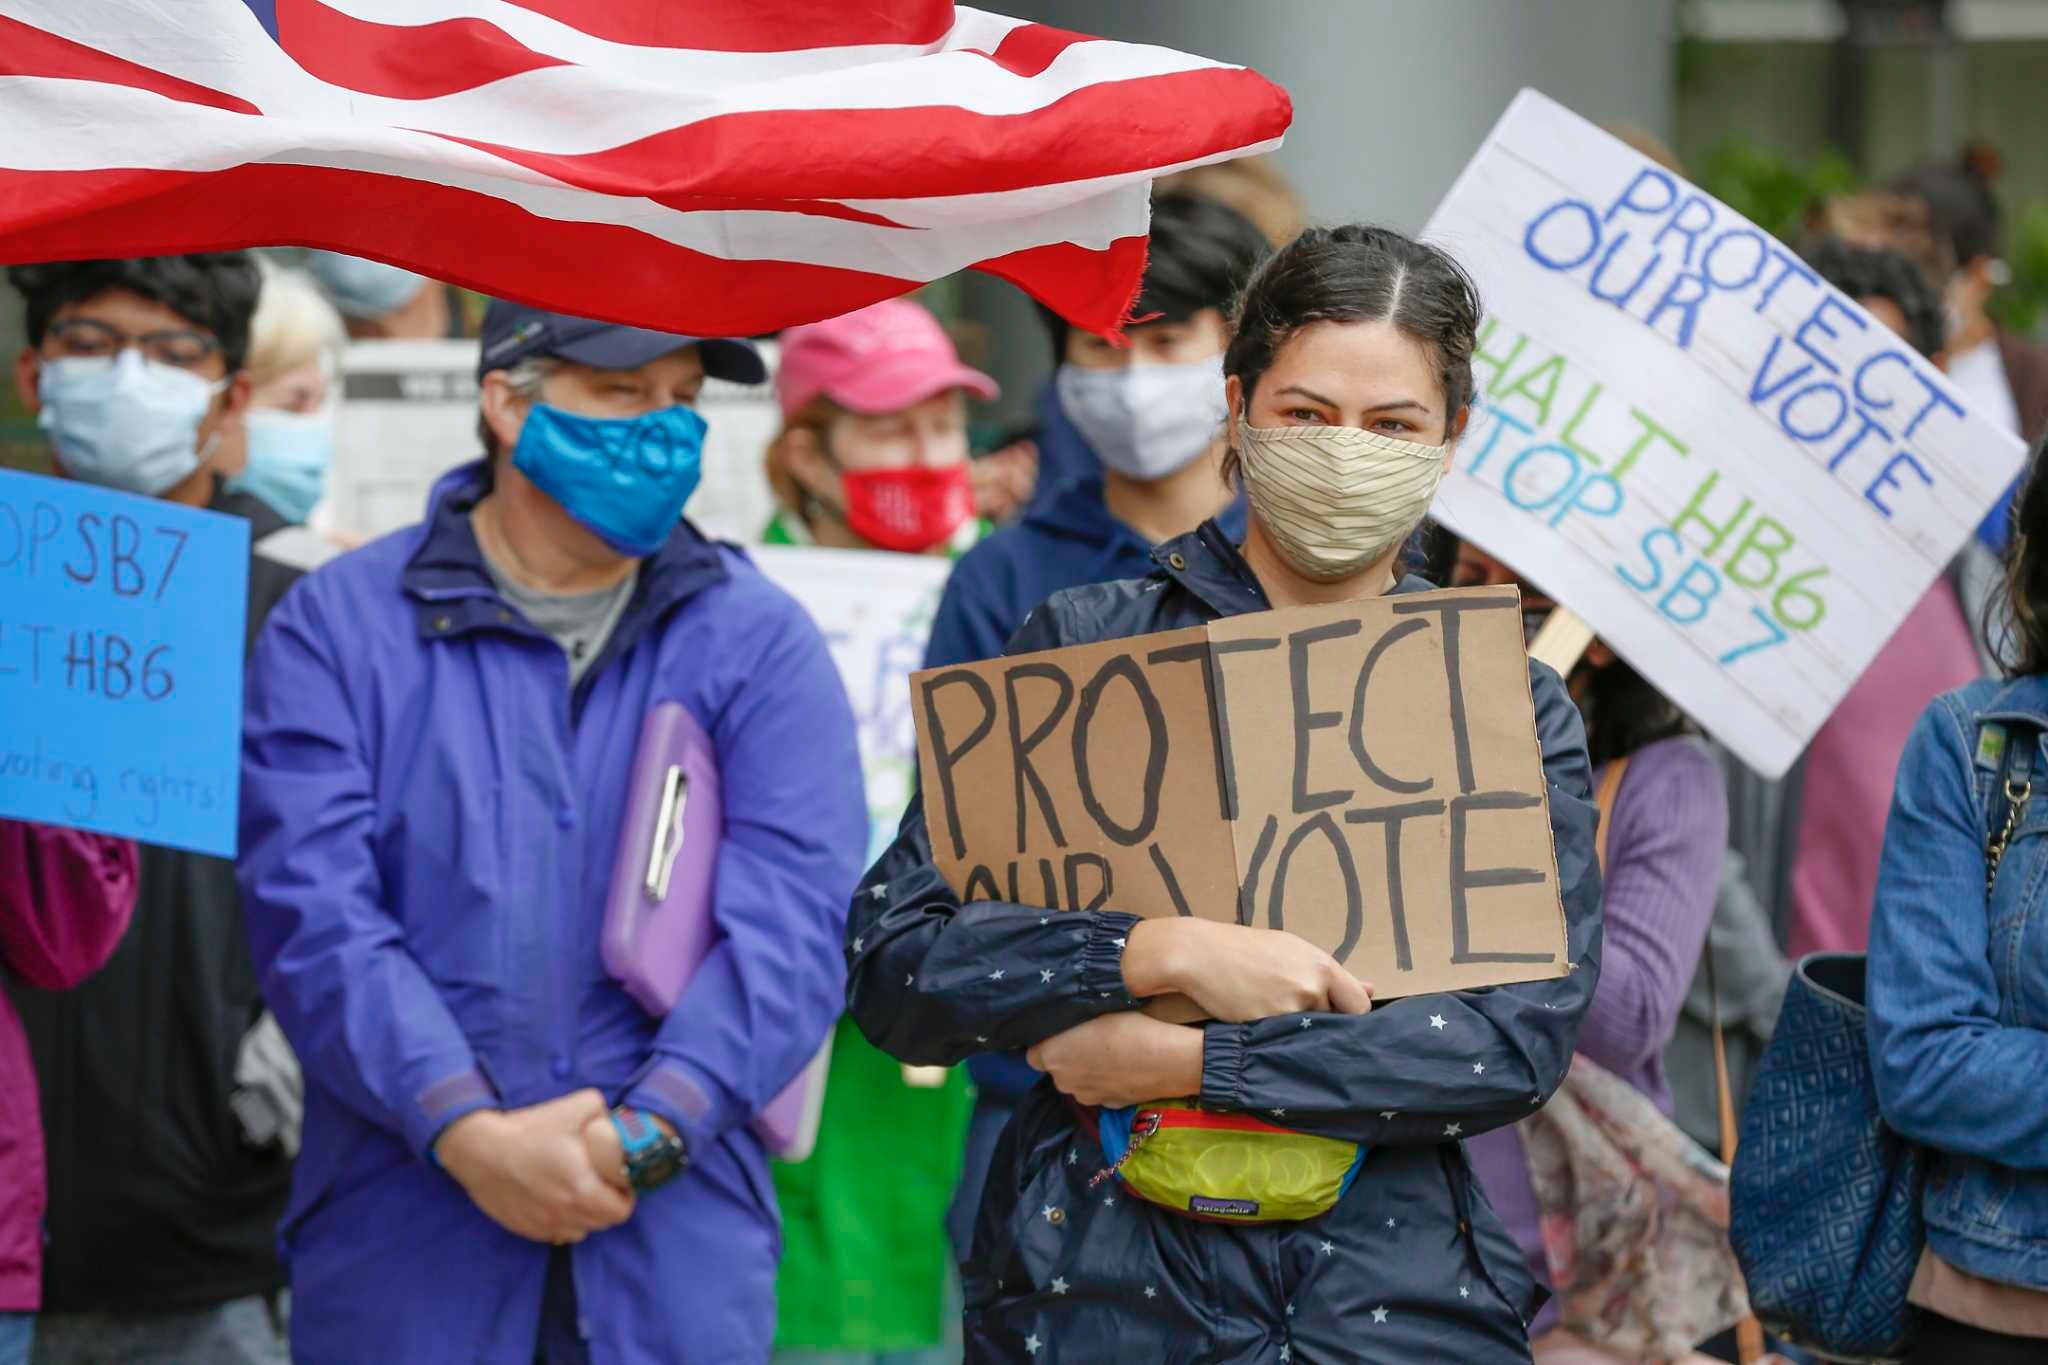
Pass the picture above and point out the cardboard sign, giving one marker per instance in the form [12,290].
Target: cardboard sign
[876,611]
[121,635]
[409,416]
[1737,476]
[1365,775]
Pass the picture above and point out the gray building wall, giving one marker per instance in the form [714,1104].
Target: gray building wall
[1919,104]
[1391,97]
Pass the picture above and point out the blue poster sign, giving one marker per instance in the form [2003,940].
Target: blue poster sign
[121,633]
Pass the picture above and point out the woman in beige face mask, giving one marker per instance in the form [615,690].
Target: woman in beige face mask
[1350,378]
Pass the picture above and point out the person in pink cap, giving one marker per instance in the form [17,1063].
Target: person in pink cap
[872,454]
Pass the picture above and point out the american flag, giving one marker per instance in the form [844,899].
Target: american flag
[713,167]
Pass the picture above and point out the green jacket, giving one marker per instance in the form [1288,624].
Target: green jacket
[864,1249]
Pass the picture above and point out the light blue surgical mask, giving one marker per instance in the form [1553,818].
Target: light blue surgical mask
[125,421]
[362,288]
[625,479]
[289,454]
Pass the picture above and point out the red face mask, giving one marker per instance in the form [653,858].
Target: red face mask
[909,508]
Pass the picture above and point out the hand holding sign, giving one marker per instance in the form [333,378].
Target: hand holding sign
[1234,974]
[1332,771]
[1121,1058]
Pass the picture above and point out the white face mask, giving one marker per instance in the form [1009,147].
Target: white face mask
[1335,499]
[1146,421]
[127,422]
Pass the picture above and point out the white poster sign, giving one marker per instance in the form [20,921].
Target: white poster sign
[1738,477]
[876,610]
[409,413]
[408,416]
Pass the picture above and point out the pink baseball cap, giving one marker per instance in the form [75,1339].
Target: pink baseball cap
[882,358]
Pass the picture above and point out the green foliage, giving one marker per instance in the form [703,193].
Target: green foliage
[1774,191]
[1769,188]
[2023,304]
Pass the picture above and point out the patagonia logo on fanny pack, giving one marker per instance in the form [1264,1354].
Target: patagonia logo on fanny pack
[1223,1208]
[1223,1165]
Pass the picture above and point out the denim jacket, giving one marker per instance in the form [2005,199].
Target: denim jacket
[1958,981]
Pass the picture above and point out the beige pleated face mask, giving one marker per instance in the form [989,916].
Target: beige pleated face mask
[1334,499]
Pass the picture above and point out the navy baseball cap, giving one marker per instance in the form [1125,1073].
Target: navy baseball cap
[514,332]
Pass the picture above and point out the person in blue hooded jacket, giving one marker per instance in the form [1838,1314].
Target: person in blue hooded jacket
[1129,447]
[506,1159]
[1129,437]
[1350,381]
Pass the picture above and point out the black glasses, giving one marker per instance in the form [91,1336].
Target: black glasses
[85,338]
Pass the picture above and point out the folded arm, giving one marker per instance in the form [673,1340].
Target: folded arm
[933,981]
[1434,1068]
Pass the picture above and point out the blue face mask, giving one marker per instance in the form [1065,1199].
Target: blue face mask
[124,422]
[289,453]
[624,479]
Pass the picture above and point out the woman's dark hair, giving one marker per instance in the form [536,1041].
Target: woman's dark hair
[1432,552]
[1201,253]
[214,290]
[1623,712]
[2018,638]
[1879,272]
[1958,195]
[1358,274]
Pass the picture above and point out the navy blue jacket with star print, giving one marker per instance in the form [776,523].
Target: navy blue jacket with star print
[1411,1265]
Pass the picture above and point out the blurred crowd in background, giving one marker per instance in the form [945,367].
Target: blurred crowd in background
[1036,457]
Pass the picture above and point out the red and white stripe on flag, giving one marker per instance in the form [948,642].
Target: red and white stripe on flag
[698,166]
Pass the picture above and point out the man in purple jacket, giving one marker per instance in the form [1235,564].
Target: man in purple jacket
[505,1158]
[65,900]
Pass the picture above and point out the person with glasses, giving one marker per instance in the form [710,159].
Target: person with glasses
[163,1207]
[135,393]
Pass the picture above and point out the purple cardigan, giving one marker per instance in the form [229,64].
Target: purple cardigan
[1663,866]
[65,900]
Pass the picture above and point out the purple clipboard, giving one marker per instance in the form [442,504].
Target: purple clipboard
[658,921]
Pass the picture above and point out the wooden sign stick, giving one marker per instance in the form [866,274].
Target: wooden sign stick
[1561,640]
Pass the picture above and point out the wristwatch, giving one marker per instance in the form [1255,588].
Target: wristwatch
[653,1158]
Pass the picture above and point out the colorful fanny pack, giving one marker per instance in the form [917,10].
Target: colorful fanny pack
[1225,1167]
